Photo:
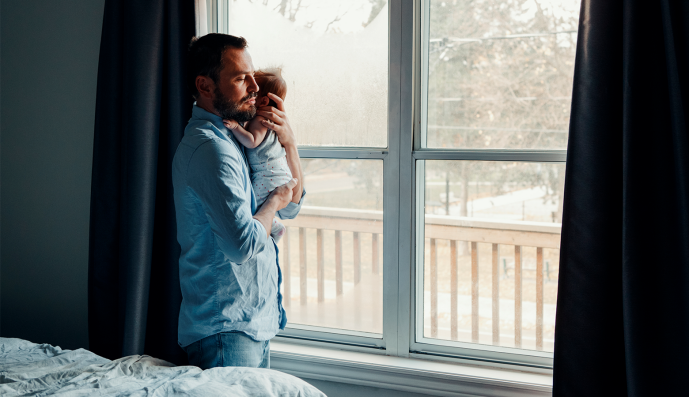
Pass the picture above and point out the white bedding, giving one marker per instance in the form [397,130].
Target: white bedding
[30,369]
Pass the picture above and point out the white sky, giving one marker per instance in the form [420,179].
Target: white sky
[337,77]
[352,14]
[336,81]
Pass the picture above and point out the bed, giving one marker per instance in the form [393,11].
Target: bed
[31,369]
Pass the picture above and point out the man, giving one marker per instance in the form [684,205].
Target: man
[229,274]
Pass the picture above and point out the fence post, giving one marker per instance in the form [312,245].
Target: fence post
[496,296]
[321,266]
[453,291]
[357,258]
[338,261]
[374,253]
[517,296]
[474,292]
[539,298]
[434,289]
[302,266]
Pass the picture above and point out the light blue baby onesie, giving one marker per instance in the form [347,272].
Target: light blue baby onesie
[269,167]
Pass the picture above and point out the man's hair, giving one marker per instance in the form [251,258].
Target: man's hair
[206,56]
[270,80]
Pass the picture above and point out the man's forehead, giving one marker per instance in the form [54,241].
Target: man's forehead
[237,61]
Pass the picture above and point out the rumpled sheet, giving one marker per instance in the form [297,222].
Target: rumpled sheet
[30,369]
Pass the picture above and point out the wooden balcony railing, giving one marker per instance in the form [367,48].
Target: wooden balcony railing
[517,234]
[460,232]
[339,220]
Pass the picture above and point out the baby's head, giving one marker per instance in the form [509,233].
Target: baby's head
[269,80]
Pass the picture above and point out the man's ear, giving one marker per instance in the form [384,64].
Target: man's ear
[205,86]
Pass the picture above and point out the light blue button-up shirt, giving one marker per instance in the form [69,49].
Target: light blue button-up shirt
[229,274]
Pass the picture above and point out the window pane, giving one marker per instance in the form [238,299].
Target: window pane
[500,73]
[332,255]
[492,237]
[334,56]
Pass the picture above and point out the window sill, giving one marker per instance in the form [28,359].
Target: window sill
[404,374]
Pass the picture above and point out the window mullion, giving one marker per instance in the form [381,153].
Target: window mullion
[399,176]
[391,196]
[540,156]
[213,11]
[342,153]
[421,74]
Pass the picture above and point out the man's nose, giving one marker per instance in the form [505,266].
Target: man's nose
[253,86]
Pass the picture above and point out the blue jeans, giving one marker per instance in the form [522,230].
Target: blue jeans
[229,349]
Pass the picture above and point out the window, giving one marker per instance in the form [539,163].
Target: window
[332,259]
[433,140]
[334,57]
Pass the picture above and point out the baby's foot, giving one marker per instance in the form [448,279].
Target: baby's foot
[277,230]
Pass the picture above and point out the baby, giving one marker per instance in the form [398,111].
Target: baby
[267,157]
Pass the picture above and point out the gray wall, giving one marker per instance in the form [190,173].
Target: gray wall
[49,64]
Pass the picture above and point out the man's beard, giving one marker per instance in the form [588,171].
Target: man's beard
[230,111]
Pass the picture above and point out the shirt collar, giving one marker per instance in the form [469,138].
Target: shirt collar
[198,113]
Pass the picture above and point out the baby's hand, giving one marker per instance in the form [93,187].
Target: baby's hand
[230,124]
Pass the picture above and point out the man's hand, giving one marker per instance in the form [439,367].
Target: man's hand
[277,200]
[282,195]
[276,120]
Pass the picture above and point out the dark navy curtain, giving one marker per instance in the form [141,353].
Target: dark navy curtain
[622,326]
[142,108]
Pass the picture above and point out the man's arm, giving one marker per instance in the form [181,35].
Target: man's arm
[277,120]
[294,164]
[218,181]
[277,200]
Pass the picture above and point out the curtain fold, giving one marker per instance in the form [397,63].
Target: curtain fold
[142,107]
[623,301]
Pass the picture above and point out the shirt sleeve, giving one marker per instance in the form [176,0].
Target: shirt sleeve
[292,209]
[218,180]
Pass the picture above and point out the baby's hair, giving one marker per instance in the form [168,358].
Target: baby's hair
[270,80]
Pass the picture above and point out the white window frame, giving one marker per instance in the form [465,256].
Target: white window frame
[403,207]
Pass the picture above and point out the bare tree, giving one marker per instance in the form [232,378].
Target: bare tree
[293,11]
[282,7]
[336,19]
[376,7]
[501,77]
[287,9]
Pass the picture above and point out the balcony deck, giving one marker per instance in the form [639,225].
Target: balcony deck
[485,281]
